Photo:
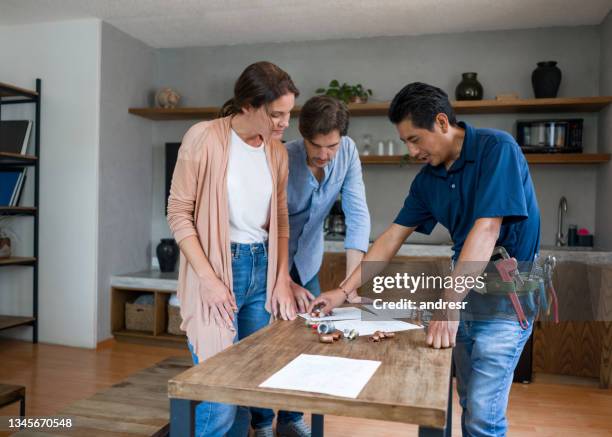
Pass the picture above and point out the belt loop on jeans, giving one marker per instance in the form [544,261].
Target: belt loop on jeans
[265,248]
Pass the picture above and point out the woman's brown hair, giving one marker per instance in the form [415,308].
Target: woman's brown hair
[259,84]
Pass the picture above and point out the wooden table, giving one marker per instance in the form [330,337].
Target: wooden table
[410,386]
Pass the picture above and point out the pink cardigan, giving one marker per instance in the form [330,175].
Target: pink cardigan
[198,206]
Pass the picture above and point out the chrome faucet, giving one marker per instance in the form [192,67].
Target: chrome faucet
[562,209]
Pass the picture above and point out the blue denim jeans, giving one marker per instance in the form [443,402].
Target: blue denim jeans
[485,356]
[249,273]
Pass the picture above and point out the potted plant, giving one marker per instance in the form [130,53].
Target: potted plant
[345,92]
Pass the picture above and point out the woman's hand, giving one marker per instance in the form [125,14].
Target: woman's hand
[302,297]
[328,301]
[219,304]
[283,301]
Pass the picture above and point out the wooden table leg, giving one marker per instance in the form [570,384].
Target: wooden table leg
[447,431]
[182,417]
[317,425]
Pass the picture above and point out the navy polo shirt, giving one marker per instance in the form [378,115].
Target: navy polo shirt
[489,179]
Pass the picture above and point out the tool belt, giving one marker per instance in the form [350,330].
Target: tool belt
[496,286]
[509,281]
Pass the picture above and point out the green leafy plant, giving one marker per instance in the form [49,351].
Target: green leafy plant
[345,92]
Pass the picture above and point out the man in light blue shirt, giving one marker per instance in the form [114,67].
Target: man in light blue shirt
[322,166]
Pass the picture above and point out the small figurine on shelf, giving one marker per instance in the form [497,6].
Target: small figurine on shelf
[167,98]
[5,241]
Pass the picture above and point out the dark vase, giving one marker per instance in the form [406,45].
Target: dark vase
[167,254]
[469,88]
[546,80]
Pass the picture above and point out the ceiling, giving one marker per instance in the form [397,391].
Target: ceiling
[186,23]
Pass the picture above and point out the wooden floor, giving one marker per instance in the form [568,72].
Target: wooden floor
[55,376]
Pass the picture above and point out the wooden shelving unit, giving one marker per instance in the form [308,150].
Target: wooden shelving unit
[375,109]
[7,322]
[532,158]
[18,210]
[10,95]
[18,261]
[158,334]
[7,90]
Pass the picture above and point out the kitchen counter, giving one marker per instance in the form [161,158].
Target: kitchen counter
[148,279]
[584,255]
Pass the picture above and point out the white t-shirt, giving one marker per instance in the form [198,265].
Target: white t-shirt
[249,190]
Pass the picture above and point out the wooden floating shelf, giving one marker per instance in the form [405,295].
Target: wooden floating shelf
[18,210]
[7,322]
[569,104]
[532,158]
[17,261]
[7,90]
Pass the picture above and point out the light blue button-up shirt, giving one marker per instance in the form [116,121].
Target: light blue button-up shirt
[310,202]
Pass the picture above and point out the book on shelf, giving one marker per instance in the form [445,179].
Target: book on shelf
[11,186]
[15,136]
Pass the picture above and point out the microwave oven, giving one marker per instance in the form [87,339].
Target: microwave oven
[550,136]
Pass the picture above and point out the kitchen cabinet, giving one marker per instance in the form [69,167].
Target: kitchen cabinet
[581,344]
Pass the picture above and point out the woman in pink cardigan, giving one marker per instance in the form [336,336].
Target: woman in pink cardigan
[228,212]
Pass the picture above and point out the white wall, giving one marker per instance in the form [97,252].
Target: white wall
[127,72]
[66,56]
[503,59]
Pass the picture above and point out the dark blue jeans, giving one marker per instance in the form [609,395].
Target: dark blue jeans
[249,274]
[485,356]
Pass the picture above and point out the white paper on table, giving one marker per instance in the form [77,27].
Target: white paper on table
[334,376]
[369,327]
[349,313]
[388,314]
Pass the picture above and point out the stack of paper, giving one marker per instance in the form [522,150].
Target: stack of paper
[349,313]
[334,376]
[369,327]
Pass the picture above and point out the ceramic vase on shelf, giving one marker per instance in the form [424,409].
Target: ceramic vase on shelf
[546,79]
[5,245]
[469,88]
[167,254]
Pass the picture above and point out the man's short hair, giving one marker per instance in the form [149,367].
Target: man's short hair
[321,115]
[421,103]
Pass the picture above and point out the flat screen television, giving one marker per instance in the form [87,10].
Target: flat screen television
[171,155]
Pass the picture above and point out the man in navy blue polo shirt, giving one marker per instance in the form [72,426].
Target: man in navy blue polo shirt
[476,183]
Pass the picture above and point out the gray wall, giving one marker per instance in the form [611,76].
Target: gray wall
[504,59]
[125,165]
[604,176]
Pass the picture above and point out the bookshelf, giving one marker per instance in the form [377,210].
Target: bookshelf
[11,95]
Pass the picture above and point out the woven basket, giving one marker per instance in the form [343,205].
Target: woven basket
[139,317]
[174,320]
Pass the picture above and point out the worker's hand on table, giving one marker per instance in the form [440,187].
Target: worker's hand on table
[327,301]
[219,304]
[353,297]
[442,333]
[302,297]
[283,300]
